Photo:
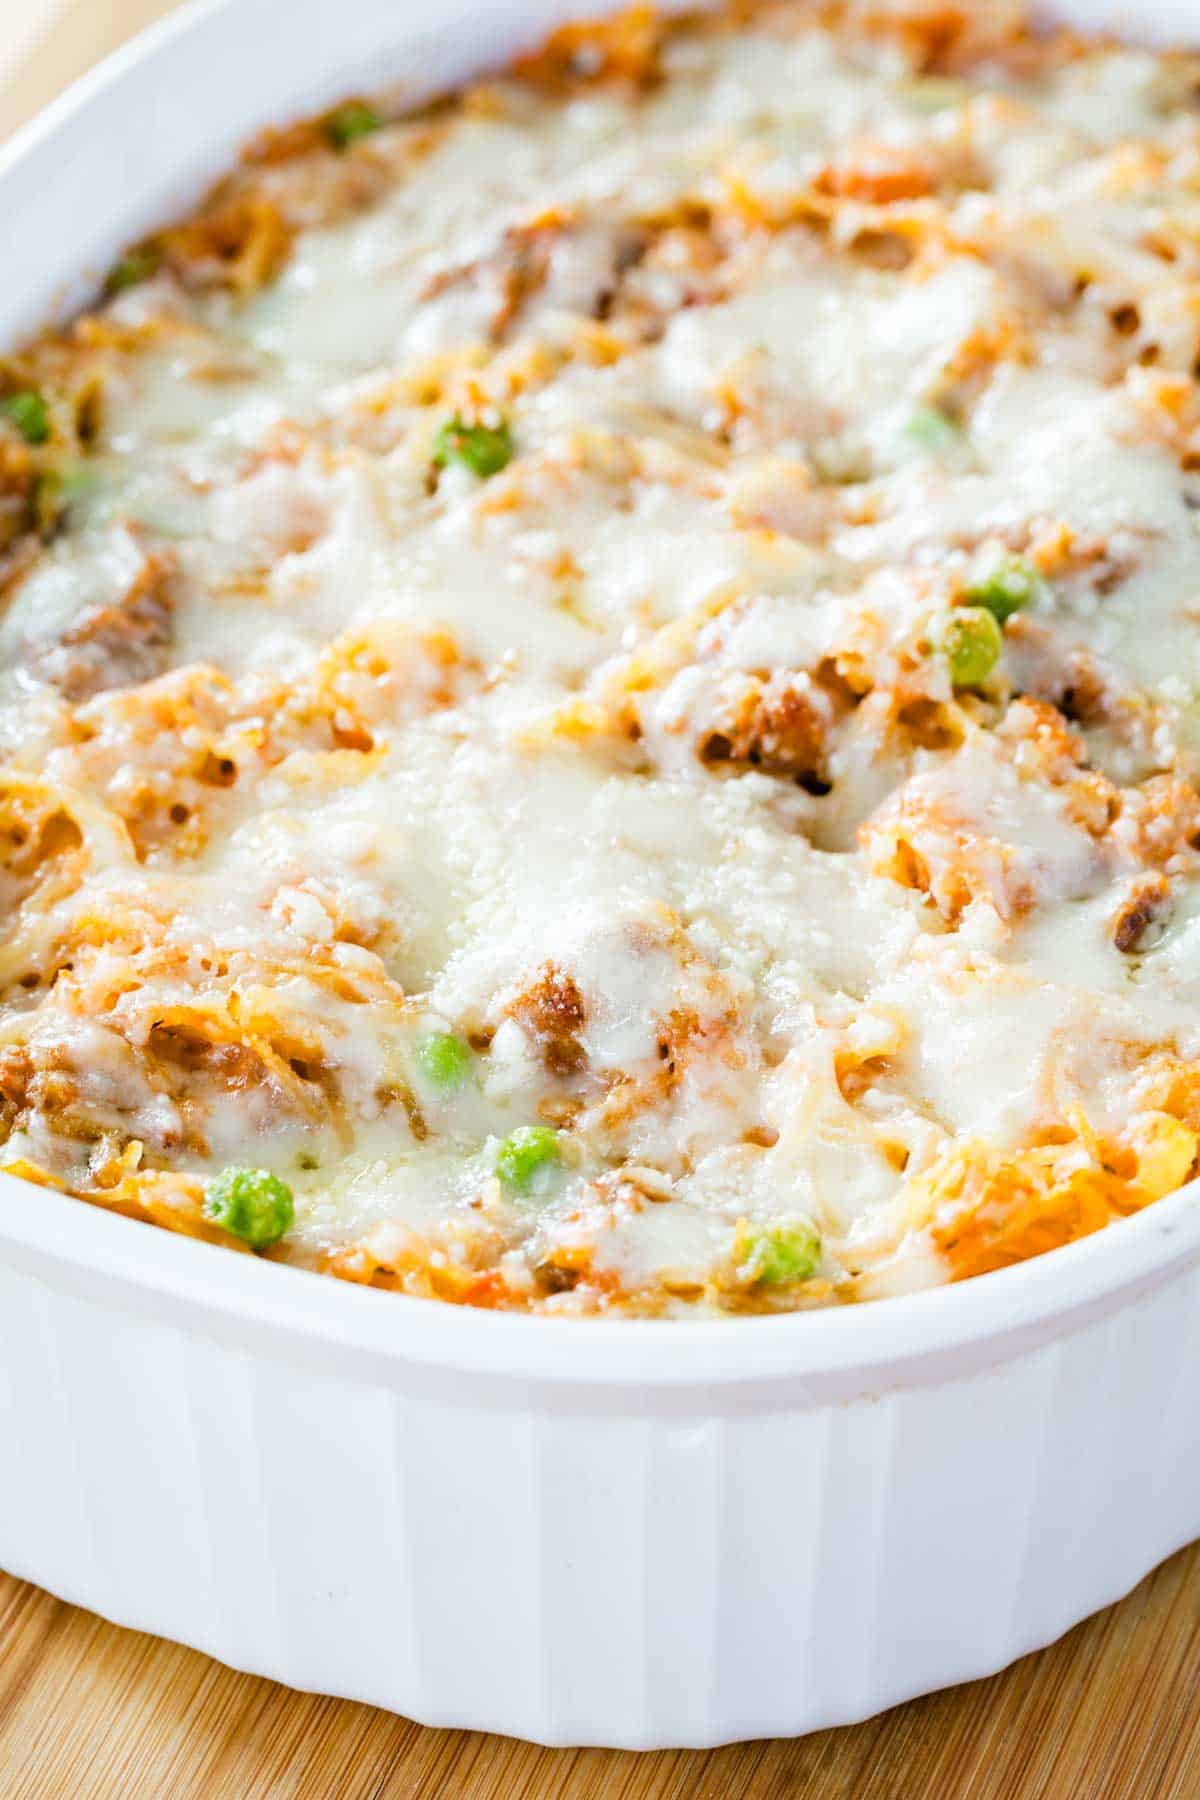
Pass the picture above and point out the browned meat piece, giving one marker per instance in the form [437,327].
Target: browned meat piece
[552,1014]
[1069,679]
[114,645]
[581,261]
[623,51]
[1138,912]
[1160,820]
[16,1072]
[17,481]
[780,725]
[238,242]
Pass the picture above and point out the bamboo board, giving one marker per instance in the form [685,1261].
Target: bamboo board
[1112,1712]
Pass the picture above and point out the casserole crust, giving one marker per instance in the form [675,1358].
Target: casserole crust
[601,678]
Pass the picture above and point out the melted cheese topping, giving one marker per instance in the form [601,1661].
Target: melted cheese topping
[638,770]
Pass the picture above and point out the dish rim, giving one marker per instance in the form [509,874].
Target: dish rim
[902,1338]
[73,1243]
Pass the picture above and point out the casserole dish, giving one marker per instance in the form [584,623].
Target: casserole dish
[628,1536]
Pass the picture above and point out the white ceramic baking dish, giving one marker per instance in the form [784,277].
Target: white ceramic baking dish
[601,1532]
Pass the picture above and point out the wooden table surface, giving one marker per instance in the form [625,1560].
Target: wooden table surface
[1112,1712]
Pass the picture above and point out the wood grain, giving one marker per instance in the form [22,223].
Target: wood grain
[1109,1713]
[86,1710]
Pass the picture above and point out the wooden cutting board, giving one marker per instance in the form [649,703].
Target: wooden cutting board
[1112,1712]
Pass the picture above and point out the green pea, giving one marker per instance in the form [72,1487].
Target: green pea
[784,1250]
[528,1159]
[351,121]
[251,1204]
[138,264]
[484,449]
[27,411]
[445,1061]
[971,643]
[931,429]
[1009,585]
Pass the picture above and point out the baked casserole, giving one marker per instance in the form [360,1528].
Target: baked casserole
[600,682]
